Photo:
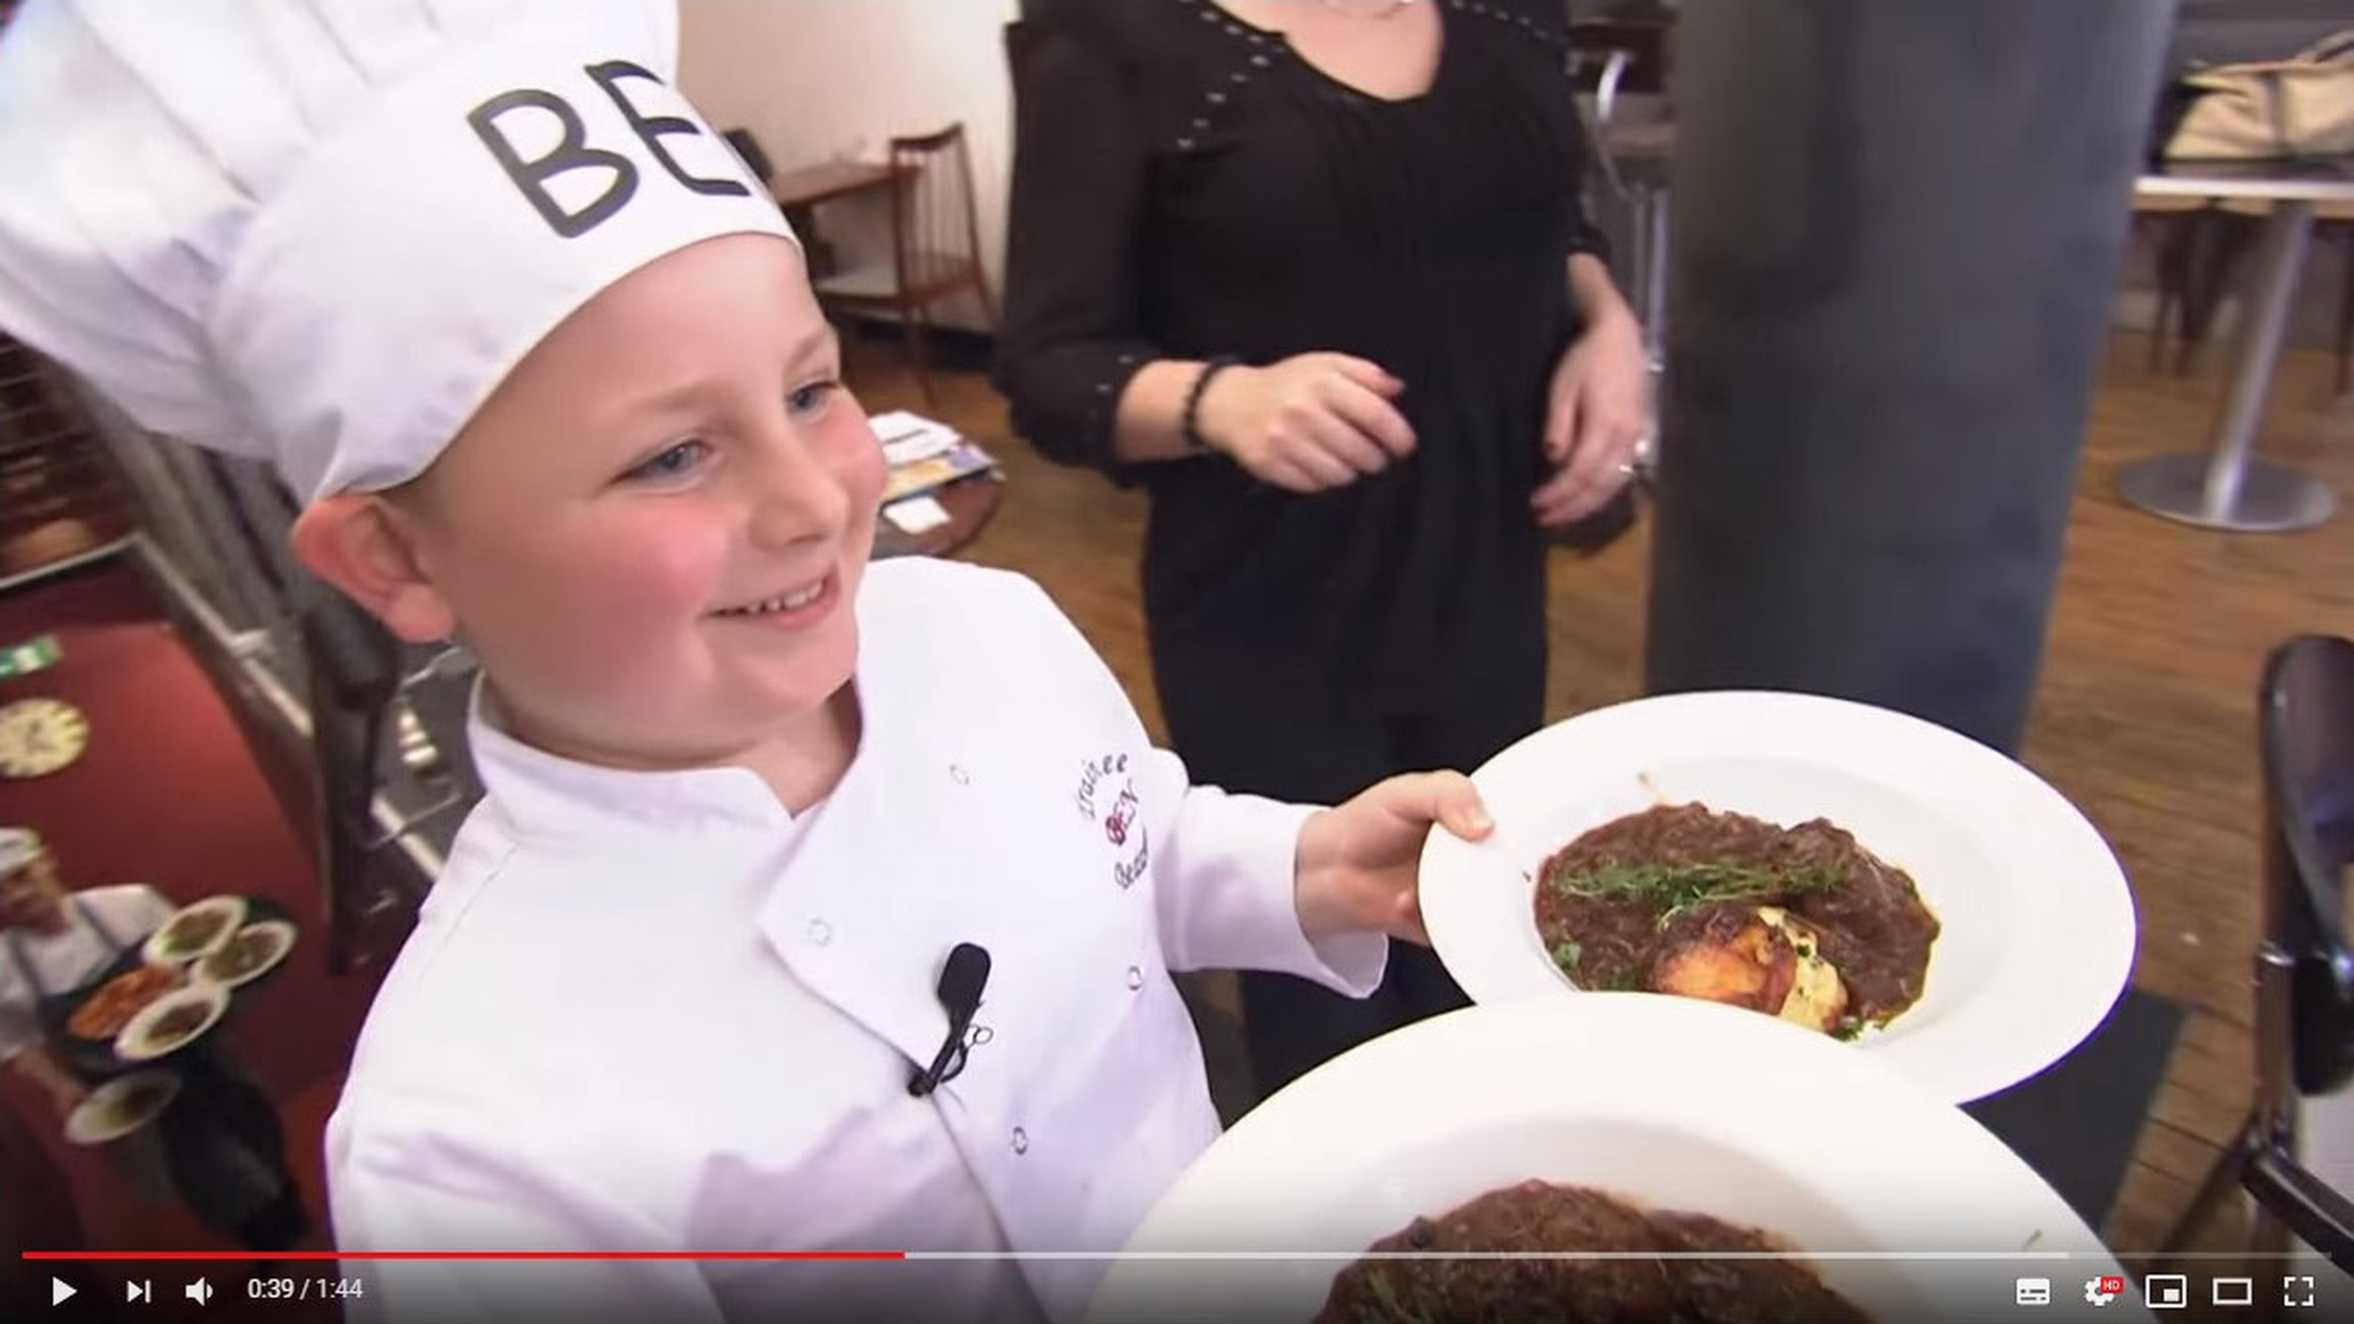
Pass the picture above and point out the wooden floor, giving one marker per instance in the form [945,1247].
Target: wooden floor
[2145,717]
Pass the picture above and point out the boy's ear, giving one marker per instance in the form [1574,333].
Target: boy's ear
[358,543]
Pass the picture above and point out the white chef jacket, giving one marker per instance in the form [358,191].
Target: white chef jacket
[67,960]
[655,1011]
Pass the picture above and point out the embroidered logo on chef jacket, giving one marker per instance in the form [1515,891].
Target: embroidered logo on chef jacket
[1107,800]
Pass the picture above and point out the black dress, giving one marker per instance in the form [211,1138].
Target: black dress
[1185,185]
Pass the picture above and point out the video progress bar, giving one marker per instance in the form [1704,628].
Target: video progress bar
[362,1257]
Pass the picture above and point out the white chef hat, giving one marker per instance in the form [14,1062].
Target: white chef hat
[321,231]
[18,848]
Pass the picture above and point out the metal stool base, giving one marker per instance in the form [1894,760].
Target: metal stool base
[2271,499]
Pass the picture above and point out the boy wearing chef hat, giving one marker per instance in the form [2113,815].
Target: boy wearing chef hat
[545,369]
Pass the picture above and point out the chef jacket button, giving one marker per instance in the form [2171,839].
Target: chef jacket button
[1135,978]
[820,932]
[1021,1141]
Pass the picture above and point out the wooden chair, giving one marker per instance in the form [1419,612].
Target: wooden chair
[747,147]
[2173,226]
[59,494]
[2196,260]
[2304,968]
[935,245]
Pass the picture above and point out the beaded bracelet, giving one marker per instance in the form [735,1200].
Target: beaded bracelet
[1190,423]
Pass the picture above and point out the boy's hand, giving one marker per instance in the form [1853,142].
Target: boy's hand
[1358,863]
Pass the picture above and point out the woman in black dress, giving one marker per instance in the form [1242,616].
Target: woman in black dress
[1317,276]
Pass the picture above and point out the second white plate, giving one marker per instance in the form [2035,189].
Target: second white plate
[122,1105]
[1904,1205]
[202,1003]
[218,916]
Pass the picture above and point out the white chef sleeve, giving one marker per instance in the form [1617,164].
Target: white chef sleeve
[428,1193]
[130,911]
[1222,871]
[1223,889]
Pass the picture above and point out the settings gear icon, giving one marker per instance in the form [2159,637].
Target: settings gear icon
[2101,1291]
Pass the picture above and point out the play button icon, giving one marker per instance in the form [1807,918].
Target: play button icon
[59,1290]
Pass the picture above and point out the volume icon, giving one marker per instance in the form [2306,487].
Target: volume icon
[199,1291]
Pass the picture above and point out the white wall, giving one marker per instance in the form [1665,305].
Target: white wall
[820,79]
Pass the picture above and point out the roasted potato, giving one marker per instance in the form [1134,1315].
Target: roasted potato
[1758,957]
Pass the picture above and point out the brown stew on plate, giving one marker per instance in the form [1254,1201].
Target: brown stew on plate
[1800,922]
[190,933]
[134,1105]
[179,1023]
[1535,1217]
[242,955]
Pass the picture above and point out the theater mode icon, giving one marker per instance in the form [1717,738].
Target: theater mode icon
[2033,1292]
[2233,1291]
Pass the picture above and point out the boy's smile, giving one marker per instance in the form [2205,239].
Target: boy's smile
[787,606]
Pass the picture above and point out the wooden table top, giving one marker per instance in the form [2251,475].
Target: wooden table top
[828,180]
[2329,179]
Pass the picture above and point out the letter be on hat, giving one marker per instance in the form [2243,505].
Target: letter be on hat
[320,232]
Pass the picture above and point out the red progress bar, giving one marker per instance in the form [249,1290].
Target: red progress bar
[101,1256]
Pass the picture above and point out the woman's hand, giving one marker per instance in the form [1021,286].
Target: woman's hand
[1358,865]
[1595,416]
[1309,423]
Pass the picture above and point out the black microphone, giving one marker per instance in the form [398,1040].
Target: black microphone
[961,982]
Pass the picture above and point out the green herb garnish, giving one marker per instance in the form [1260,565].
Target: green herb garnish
[1565,954]
[1848,1029]
[1392,1309]
[1676,888]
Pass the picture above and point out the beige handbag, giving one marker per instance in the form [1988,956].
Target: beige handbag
[2297,107]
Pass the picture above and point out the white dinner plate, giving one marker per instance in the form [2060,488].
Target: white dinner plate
[99,1119]
[230,909]
[278,933]
[2036,922]
[1903,1204]
[132,1045]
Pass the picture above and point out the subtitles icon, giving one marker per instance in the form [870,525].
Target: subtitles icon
[2104,1289]
[2166,1291]
[2234,1291]
[2033,1292]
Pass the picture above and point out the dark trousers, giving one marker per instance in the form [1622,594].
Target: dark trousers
[226,1151]
[1306,743]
